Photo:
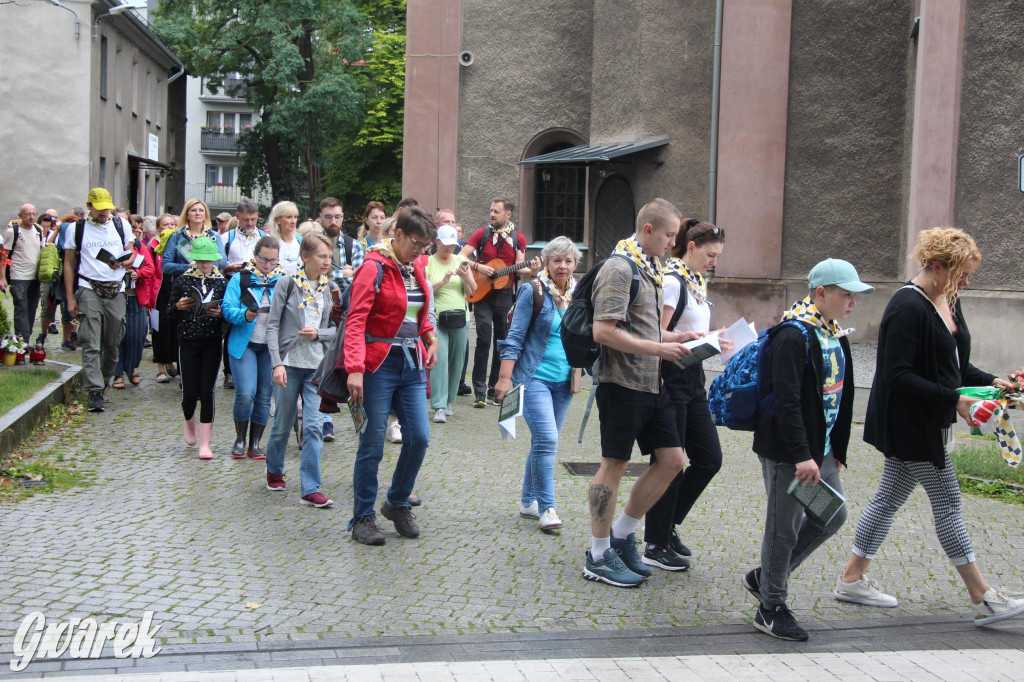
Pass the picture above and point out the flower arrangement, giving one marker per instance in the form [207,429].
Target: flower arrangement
[11,344]
[1016,378]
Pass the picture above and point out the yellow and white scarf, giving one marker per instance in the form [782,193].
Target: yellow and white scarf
[632,250]
[806,311]
[256,272]
[545,279]
[386,248]
[194,271]
[505,233]
[695,282]
[207,232]
[308,294]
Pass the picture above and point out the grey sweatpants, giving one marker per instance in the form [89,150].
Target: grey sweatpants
[100,328]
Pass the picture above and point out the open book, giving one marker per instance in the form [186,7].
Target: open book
[700,350]
[111,258]
[201,304]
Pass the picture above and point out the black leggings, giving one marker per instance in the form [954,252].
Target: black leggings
[198,364]
[699,438]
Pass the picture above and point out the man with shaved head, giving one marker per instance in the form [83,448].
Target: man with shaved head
[23,243]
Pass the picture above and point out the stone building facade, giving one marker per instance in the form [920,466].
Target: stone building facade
[844,129]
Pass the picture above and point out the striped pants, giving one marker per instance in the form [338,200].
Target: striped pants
[899,479]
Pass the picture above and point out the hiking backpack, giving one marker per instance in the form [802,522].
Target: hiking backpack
[581,351]
[737,397]
[538,303]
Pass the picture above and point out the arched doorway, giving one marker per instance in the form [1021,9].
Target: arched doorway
[614,215]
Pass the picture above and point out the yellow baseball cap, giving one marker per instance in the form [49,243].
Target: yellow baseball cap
[100,199]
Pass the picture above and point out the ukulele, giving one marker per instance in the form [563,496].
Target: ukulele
[498,280]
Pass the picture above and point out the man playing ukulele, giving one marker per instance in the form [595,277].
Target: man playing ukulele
[502,241]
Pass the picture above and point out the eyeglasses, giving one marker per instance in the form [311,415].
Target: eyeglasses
[420,246]
[267,261]
[700,232]
[339,216]
[46,219]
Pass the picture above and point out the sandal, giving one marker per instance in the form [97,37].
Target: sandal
[162,378]
[135,378]
[118,382]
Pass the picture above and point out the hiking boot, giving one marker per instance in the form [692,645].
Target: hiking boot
[864,591]
[994,607]
[366,531]
[530,512]
[256,450]
[328,432]
[752,583]
[95,401]
[677,546]
[664,558]
[629,555]
[317,499]
[403,518]
[779,623]
[414,499]
[275,482]
[238,449]
[611,570]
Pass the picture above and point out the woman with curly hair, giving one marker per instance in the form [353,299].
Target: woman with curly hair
[924,355]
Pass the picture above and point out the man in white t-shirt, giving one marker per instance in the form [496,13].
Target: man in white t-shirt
[95,289]
[23,242]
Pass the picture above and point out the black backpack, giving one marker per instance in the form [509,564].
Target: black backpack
[578,320]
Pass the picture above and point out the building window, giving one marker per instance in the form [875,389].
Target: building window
[103,171]
[103,67]
[118,77]
[156,195]
[116,191]
[135,88]
[219,175]
[559,199]
[149,95]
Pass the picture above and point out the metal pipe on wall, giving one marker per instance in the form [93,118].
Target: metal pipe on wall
[716,88]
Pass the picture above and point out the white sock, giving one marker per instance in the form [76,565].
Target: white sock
[624,526]
[598,547]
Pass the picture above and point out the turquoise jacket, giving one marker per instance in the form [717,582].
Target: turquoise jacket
[234,312]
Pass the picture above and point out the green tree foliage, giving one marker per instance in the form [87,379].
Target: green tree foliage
[294,57]
[366,160]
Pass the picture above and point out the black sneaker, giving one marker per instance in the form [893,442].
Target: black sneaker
[464,389]
[41,340]
[328,432]
[366,531]
[68,345]
[52,329]
[677,546]
[229,382]
[630,557]
[664,558]
[403,518]
[492,399]
[779,623]
[752,583]
[480,402]
[96,401]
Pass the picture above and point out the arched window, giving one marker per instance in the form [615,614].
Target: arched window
[559,198]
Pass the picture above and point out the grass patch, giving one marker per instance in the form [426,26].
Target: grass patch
[21,384]
[27,472]
[979,457]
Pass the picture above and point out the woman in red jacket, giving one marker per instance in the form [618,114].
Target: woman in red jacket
[389,343]
[141,290]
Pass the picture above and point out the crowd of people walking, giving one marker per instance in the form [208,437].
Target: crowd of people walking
[389,311]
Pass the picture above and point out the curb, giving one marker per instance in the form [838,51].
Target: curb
[17,424]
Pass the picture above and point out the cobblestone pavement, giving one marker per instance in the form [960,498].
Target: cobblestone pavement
[195,541]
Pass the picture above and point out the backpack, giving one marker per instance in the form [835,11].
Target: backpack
[538,303]
[49,264]
[581,351]
[80,234]
[15,225]
[332,383]
[737,397]
[231,238]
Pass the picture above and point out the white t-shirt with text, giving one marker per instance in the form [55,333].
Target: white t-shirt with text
[94,238]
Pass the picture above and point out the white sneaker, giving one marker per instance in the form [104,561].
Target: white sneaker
[996,606]
[439,416]
[864,591]
[395,433]
[549,520]
[531,512]
[449,410]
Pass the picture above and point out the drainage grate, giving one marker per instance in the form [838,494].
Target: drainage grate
[590,468]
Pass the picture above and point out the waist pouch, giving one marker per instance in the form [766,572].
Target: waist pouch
[104,289]
[452,319]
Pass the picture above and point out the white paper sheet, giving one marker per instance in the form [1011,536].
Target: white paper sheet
[742,334]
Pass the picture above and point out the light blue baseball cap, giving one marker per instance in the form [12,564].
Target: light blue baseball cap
[838,272]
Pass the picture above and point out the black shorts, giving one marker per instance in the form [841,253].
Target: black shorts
[628,415]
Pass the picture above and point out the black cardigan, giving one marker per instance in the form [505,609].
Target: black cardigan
[795,430]
[908,407]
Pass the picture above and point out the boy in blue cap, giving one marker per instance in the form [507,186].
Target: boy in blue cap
[805,437]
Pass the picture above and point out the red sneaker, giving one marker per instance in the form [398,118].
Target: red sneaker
[275,482]
[318,500]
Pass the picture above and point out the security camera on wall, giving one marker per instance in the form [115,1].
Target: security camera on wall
[466,58]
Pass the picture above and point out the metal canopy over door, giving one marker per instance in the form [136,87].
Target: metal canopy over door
[615,217]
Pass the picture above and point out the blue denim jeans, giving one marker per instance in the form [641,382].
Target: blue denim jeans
[545,404]
[299,381]
[254,384]
[396,387]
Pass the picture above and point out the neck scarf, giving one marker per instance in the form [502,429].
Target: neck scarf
[632,250]
[505,233]
[308,294]
[386,248]
[93,220]
[695,281]
[207,232]
[251,267]
[194,271]
[806,311]
[545,279]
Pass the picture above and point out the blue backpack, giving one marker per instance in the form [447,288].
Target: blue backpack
[737,397]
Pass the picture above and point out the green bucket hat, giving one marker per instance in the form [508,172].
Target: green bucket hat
[204,248]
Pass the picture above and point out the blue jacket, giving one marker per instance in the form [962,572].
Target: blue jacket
[526,343]
[174,263]
[233,311]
